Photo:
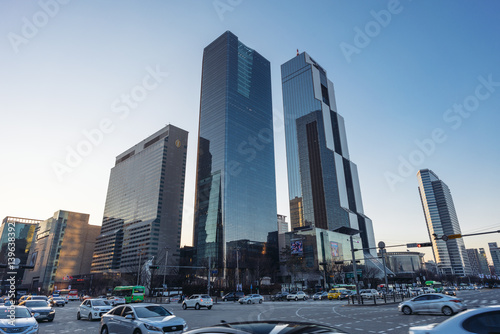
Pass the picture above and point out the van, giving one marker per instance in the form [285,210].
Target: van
[233,296]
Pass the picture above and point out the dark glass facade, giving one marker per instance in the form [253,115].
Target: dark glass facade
[323,183]
[144,203]
[235,203]
[441,218]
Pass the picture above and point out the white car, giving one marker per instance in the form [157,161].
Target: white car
[141,318]
[198,301]
[25,321]
[251,299]
[432,303]
[93,309]
[480,320]
[297,295]
[369,293]
[115,300]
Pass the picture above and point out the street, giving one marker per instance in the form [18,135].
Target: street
[351,319]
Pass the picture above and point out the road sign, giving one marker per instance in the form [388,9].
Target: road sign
[454,236]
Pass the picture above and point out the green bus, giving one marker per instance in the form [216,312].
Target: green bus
[437,286]
[132,294]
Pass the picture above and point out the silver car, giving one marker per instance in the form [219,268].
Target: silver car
[432,303]
[251,299]
[93,309]
[24,321]
[141,318]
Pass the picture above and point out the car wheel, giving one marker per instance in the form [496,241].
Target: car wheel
[249,302]
[197,306]
[90,317]
[224,300]
[209,307]
[447,311]
[78,317]
[184,306]
[260,301]
[137,331]
[104,330]
[296,298]
[406,310]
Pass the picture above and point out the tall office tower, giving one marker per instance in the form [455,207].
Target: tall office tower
[495,256]
[441,218]
[323,183]
[483,262]
[62,247]
[143,211]
[235,179]
[473,255]
[21,232]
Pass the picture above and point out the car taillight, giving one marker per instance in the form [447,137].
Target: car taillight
[456,300]
[201,300]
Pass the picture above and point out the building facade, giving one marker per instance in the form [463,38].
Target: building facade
[235,178]
[483,262]
[474,258]
[21,231]
[404,262]
[323,183]
[441,218]
[495,256]
[143,212]
[62,248]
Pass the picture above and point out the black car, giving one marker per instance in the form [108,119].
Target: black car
[42,308]
[266,327]
[449,291]
[280,295]
[233,296]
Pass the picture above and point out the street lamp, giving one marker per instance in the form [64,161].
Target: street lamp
[165,271]
[350,232]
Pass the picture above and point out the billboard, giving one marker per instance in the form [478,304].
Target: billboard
[335,248]
[297,247]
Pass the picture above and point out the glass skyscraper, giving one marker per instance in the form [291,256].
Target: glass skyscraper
[235,202]
[441,218]
[495,256]
[323,183]
[144,203]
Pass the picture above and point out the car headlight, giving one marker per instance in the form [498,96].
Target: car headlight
[152,328]
[52,311]
[95,308]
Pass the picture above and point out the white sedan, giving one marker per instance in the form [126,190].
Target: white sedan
[93,309]
[480,320]
[251,299]
[198,301]
[297,295]
[115,300]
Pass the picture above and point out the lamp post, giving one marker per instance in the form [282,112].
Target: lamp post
[165,271]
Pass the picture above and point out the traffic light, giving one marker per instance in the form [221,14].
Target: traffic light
[424,244]
[154,267]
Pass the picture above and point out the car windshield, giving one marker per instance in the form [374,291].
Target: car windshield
[36,303]
[21,312]
[151,311]
[100,303]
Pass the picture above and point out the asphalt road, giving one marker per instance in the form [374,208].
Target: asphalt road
[352,319]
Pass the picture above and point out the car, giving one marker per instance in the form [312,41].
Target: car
[116,300]
[251,299]
[280,295]
[57,301]
[335,293]
[198,301]
[233,296]
[297,295]
[42,309]
[346,294]
[449,291]
[428,290]
[265,327]
[415,291]
[320,295]
[369,293]
[141,318]
[480,320]
[25,321]
[93,309]
[432,303]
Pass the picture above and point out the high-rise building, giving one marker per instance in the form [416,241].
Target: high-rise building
[21,232]
[323,183]
[62,248]
[473,255]
[483,262]
[143,211]
[495,256]
[235,177]
[441,218]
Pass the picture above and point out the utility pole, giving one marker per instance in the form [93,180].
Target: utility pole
[208,275]
[237,268]
[165,271]
[354,267]
[381,245]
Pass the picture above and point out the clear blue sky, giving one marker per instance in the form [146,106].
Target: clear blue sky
[398,68]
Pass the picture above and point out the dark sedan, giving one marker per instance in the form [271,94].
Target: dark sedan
[266,327]
[41,307]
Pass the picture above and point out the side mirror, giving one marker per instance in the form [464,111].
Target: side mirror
[129,317]
[36,315]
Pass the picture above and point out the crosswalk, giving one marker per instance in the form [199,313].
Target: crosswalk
[480,302]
